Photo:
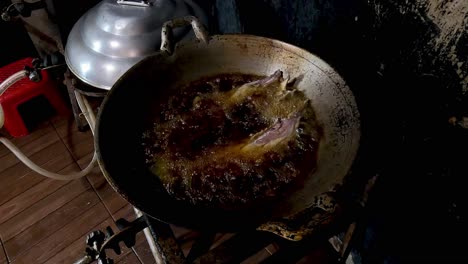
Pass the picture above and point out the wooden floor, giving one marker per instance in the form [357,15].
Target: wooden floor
[46,221]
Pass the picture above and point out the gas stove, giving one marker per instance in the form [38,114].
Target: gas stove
[329,240]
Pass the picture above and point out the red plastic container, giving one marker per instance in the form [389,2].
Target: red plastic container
[23,91]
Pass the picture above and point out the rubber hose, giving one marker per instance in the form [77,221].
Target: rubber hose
[88,114]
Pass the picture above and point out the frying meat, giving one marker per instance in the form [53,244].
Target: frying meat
[233,144]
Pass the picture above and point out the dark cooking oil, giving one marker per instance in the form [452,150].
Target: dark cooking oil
[232,141]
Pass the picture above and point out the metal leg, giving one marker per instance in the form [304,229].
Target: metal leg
[162,242]
[356,229]
[158,258]
[346,247]
[82,125]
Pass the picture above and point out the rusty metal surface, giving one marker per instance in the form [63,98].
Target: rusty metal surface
[304,224]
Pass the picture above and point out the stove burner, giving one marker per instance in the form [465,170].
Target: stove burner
[313,226]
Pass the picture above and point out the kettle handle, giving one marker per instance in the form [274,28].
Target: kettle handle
[166,31]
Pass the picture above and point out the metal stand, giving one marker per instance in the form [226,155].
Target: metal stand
[70,83]
[73,84]
[167,250]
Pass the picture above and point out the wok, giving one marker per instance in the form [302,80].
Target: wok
[127,107]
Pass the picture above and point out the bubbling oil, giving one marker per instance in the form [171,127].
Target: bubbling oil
[227,142]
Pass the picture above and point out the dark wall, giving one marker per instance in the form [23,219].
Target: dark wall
[330,28]
[429,37]
[421,54]
[16,43]
[66,13]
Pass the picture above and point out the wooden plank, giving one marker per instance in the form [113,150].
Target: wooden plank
[321,255]
[272,248]
[43,156]
[130,258]
[76,250]
[65,236]
[257,257]
[5,134]
[38,211]
[111,199]
[35,146]
[66,126]
[221,238]
[49,224]
[28,198]
[14,184]
[3,258]
[315,251]
[80,144]
[143,251]
[31,196]
[126,213]
[186,237]
[42,130]
[201,246]
[238,248]
[184,234]
[84,161]
[19,185]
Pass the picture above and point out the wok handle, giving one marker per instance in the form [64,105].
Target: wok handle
[143,3]
[166,32]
